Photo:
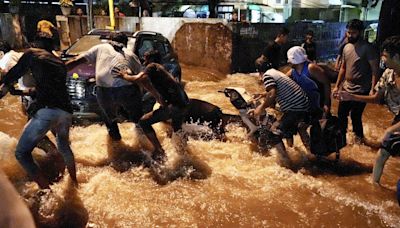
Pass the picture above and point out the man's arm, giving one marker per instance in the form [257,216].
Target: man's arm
[143,80]
[268,101]
[337,62]
[71,64]
[340,78]
[88,56]
[289,73]
[374,68]
[132,77]
[346,96]
[318,74]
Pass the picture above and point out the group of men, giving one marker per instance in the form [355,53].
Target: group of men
[120,78]
[304,93]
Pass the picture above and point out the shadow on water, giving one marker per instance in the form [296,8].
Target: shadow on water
[323,166]
[51,210]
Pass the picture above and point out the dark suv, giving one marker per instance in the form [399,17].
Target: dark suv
[81,80]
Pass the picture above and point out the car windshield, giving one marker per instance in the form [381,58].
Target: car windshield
[89,41]
[84,44]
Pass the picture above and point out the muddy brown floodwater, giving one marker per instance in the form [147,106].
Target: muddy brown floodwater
[238,187]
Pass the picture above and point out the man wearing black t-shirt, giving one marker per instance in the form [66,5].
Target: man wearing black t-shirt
[168,92]
[52,109]
[272,52]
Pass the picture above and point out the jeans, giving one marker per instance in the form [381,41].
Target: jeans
[54,119]
[112,99]
[355,109]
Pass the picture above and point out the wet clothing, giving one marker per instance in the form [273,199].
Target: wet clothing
[355,109]
[292,100]
[311,50]
[49,73]
[172,93]
[391,97]
[391,94]
[290,96]
[54,119]
[273,54]
[115,93]
[52,109]
[174,113]
[170,90]
[288,124]
[107,60]
[358,74]
[111,99]
[309,86]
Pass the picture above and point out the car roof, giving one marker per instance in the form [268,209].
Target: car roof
[107,32]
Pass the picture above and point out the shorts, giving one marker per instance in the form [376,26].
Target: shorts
[289,122]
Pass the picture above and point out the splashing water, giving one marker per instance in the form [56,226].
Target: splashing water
[210,183]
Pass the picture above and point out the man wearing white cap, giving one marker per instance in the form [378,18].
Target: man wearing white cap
[309,76]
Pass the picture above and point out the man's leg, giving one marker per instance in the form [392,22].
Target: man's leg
[145,123]
[62,136]
[304,136]
[53,158]
[287,127]
[108,108]
[130,98]
[381,158]
[33,132]
[343,112]
[356,118]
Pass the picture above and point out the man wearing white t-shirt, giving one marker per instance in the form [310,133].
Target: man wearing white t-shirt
[114,92]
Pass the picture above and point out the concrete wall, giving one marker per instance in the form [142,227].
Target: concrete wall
[206,45]
[198,42]
[168,26]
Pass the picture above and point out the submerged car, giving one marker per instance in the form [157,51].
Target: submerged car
[81,81]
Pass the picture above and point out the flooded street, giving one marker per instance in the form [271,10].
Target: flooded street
[220,184]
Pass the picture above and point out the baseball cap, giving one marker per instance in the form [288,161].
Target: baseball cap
[296,55]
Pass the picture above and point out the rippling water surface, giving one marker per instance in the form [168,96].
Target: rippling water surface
[213,183]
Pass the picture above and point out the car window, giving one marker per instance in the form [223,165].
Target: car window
[160,48]
[167,47]
[147,45]
[84,44]
[89,41]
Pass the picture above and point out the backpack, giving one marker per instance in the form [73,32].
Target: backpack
[325,137]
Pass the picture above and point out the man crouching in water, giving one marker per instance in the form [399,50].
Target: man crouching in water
[169,94]
[51,111]
[293,102]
